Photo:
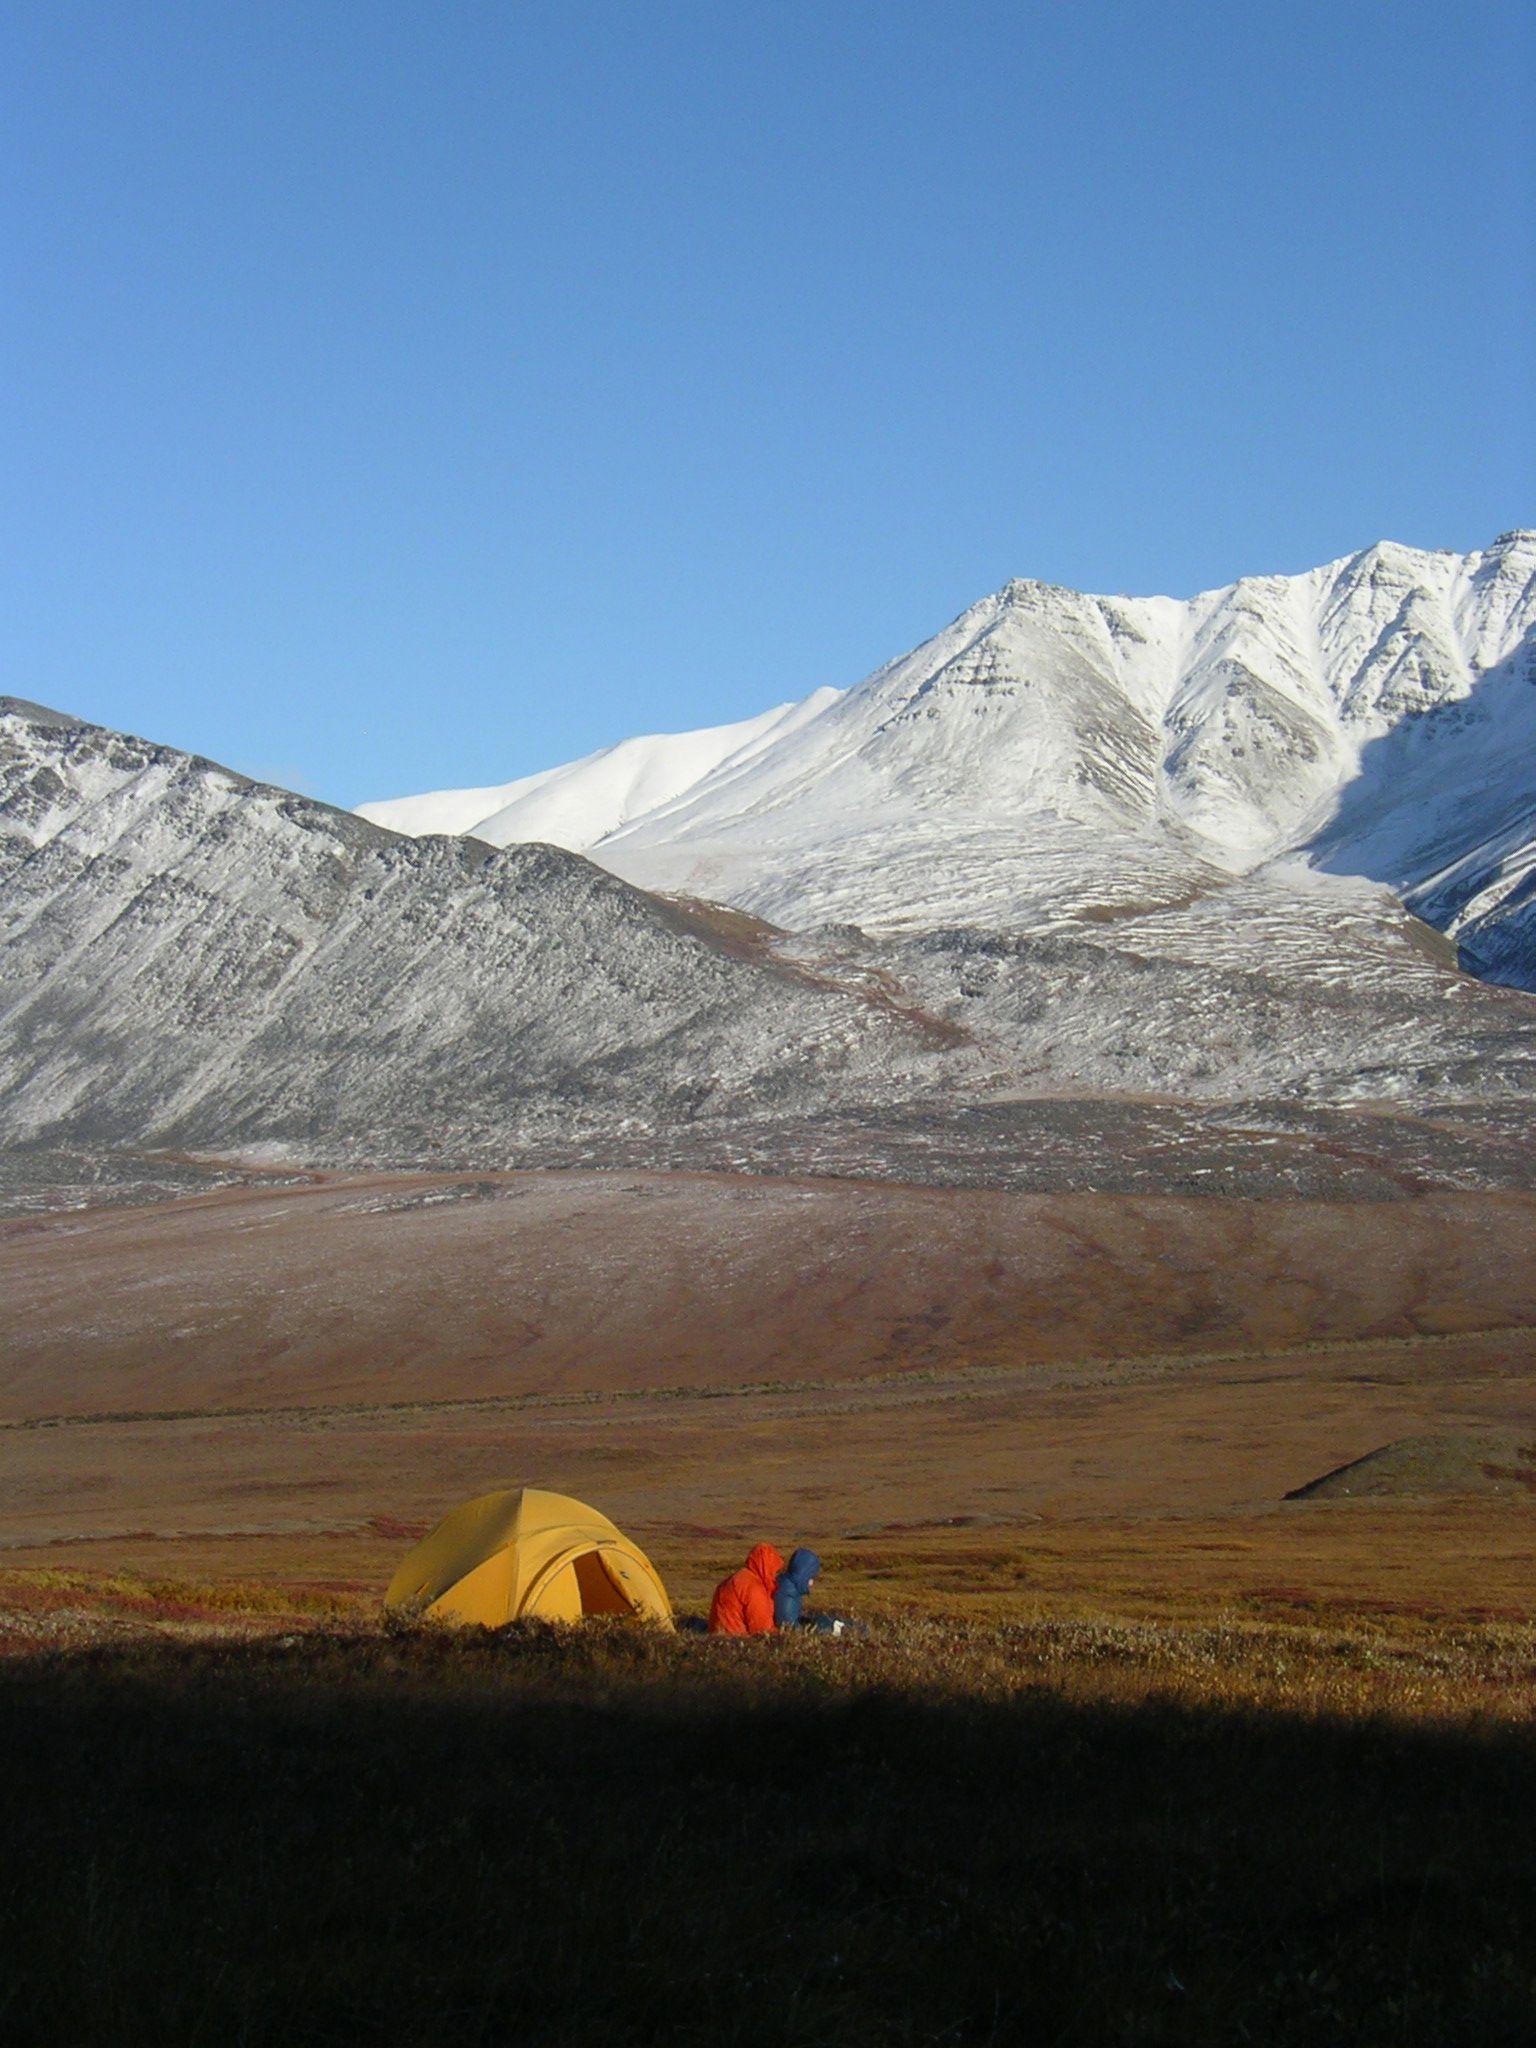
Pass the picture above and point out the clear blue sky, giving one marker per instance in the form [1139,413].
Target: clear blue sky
[401,395]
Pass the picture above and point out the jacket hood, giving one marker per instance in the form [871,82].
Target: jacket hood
[766,1563]
[803,1566]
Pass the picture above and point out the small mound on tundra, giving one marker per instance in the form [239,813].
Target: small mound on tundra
[1453,1463]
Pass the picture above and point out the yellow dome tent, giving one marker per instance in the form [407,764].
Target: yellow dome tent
[525,1552]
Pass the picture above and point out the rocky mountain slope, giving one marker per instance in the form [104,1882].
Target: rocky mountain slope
[1051,762]
[190,961]
[194,960]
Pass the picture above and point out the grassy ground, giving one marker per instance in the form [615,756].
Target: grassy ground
[1133,1753]
[240,1815]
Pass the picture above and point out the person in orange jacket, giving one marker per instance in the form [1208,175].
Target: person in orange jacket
[743,1603]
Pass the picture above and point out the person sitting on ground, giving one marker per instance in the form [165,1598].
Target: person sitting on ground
[789,1609]
[795,1582]
[743,1603]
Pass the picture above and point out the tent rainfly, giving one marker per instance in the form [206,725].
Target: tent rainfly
[525,1552]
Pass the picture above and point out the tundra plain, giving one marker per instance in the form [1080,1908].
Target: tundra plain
[1135,1749]
[1088,1394]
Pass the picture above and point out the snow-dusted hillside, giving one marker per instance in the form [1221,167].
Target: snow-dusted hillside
[1052,761]
[191,959]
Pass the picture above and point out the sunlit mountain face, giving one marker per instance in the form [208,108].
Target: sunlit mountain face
[1052,761]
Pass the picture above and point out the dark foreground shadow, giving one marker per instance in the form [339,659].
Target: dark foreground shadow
[425,1843]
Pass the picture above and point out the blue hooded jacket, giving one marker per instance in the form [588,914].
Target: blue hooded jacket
[794,1583]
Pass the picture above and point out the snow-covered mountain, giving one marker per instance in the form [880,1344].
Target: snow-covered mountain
[1072,847]
[1052,761]
[192,960]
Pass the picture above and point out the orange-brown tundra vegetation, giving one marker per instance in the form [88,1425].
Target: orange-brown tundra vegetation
[1135,1750]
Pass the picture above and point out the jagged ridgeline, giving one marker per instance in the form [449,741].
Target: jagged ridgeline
[1052,757]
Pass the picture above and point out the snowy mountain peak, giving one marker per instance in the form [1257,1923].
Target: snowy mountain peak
[1051,755]
[1029,593]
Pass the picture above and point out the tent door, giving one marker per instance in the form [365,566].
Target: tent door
[602,1590]
[598,1587]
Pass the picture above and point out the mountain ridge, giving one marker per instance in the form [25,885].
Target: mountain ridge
[192,958]
[193,962]
[1051,751]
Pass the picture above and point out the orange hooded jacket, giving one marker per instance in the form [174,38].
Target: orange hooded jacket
[743,1603]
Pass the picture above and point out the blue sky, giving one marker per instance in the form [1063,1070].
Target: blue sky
[402,395]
